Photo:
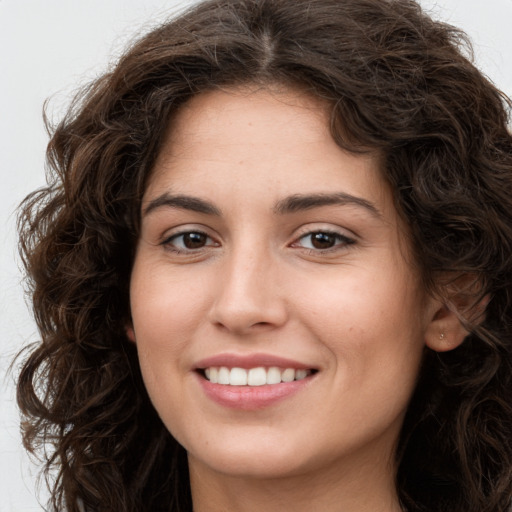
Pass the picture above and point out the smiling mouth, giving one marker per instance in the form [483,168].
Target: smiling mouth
[259,376]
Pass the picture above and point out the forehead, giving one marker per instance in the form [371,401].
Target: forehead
[215,121]
[280,134]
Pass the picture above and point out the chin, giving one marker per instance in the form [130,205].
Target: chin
[255,467]
[252,460]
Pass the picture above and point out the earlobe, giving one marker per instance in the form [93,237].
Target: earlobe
[445,331]
[130,333]
[462,304]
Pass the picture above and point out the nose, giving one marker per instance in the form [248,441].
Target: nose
[249,295]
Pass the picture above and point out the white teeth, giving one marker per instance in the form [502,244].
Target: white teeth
[288,375]
[214,375]
[257,377]
[238,377]
[301,374]
[273,375]
[253,377]
[223,375]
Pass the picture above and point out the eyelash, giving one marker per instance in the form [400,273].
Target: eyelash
[169,242]
[341,241]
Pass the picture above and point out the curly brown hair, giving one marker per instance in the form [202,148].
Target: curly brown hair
[397,82]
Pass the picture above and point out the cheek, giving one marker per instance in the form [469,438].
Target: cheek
[359,302]
[164,314]
[162,318]
[370,323]
[164,305]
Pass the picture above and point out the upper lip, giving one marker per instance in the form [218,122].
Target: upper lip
[250,361]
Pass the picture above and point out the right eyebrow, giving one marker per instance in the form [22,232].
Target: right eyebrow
[183,202]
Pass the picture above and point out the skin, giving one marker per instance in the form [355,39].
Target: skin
[256,283]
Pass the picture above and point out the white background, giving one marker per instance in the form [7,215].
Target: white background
[47,49]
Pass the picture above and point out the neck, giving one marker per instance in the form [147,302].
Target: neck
[358,488]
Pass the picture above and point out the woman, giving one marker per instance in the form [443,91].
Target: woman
[272,270]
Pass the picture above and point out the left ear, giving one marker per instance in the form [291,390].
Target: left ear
[445,331]
[130,333]
[460,305]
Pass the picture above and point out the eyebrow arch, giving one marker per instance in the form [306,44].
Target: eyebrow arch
[184,202]
[299,202]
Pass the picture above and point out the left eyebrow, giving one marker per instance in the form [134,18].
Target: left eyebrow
[299,202]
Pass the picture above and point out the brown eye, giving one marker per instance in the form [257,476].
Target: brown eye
[194,240]
[188,241]
[323,240]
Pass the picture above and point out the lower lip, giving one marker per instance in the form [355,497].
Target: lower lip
[252,397]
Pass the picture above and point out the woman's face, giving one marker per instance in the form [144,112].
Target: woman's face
[275,263]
